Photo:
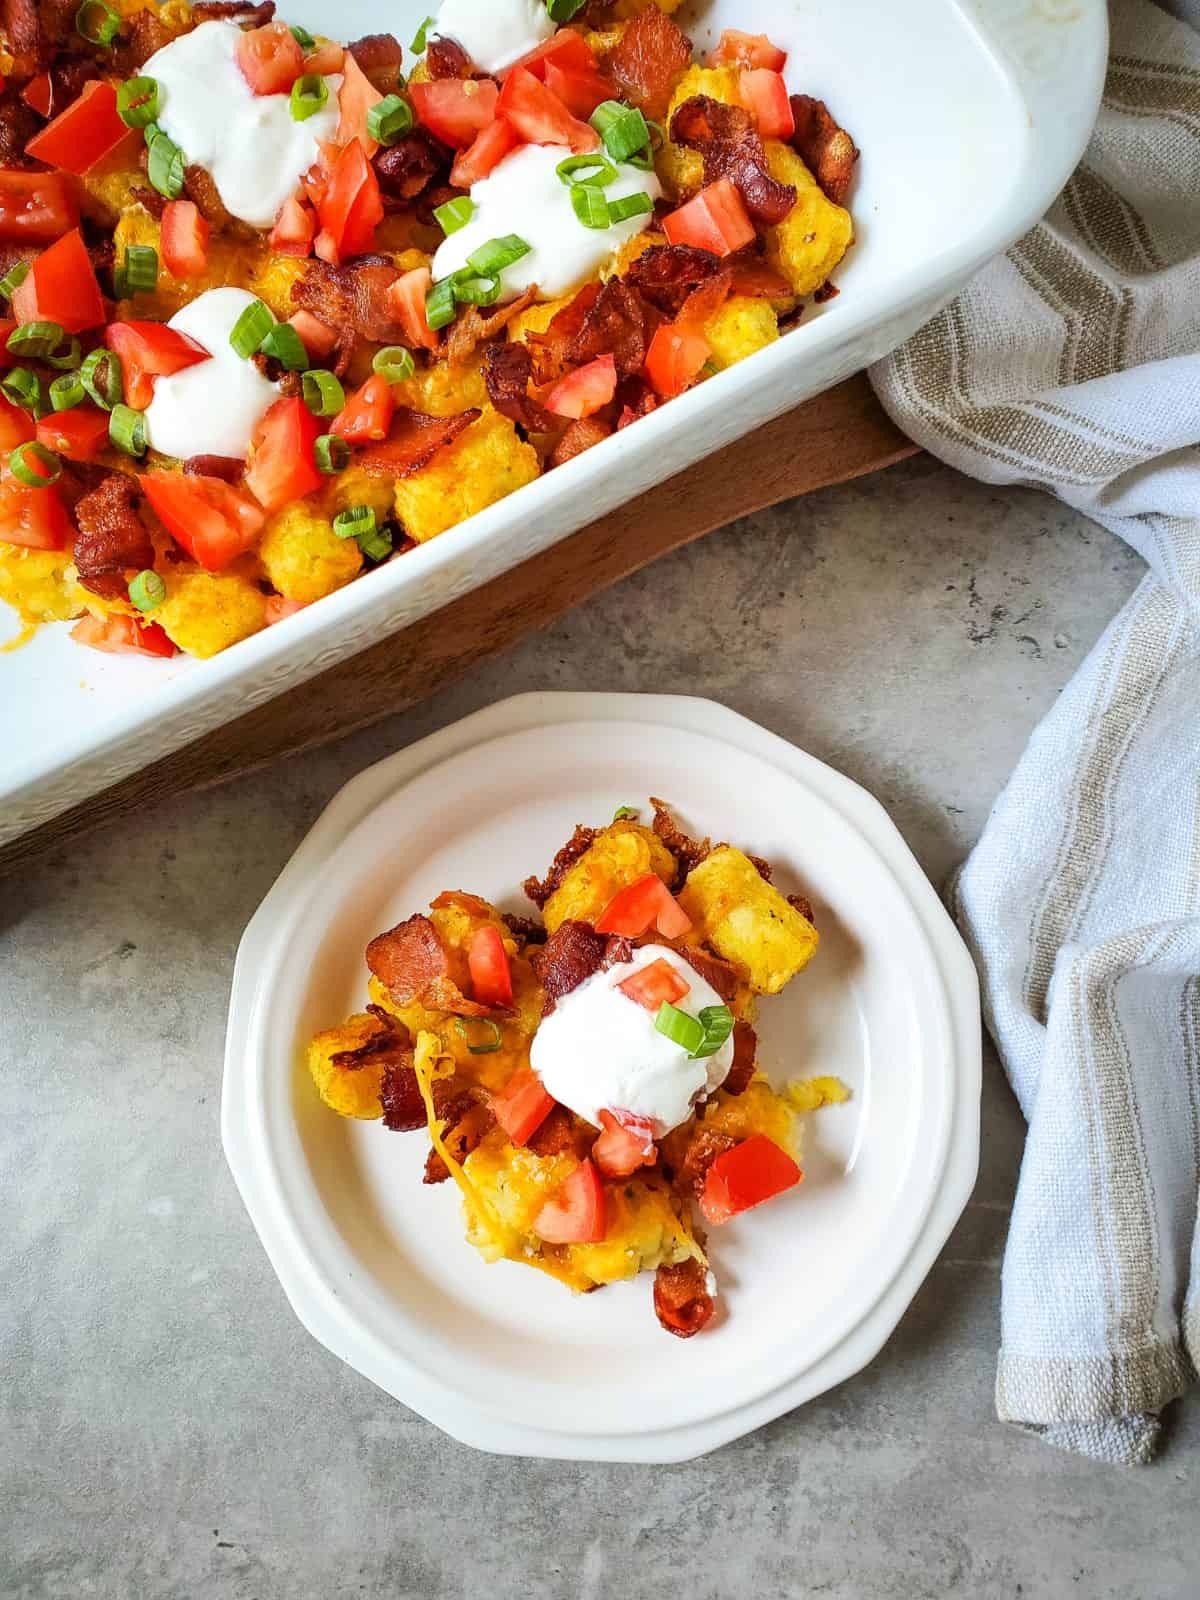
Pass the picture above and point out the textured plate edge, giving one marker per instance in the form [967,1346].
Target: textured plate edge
[523,712]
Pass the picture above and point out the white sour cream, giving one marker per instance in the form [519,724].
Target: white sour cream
[249,142]
[213,408]
[598,1050]
[524,195]
[495,33]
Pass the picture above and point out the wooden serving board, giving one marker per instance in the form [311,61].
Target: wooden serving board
[837,436]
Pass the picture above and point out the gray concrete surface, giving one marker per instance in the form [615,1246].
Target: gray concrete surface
[169,1429]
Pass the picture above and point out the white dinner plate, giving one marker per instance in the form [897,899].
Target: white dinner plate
[375,1263]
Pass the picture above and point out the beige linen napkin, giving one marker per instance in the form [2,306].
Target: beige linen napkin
[1073,363]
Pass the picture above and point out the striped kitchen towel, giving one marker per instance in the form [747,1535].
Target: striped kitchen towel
[1073,364]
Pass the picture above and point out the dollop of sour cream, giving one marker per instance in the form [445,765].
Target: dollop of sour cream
[495,33]
[524,195]
[598,1050]
[213,408]
[249,142]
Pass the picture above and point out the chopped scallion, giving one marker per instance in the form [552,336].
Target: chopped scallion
[67,392]
[492,258]
[250,329]
[147,590]
[309,95]
[473,290]
[717,1023]
[439,304]
[97,23]
[389,119]
[376,545]
[137,101]
[622,128]
[589,205]
[164,164]
[13,279]
[421,35]
[590,167]
[35,340]
[564,10]
[625,814]
[139,269]
[679,1027]
[127,430]
[22,387]
[455,214]
[66,357]
[332,454]
[395,363]
[323,394]
[100,375]
[21,464]
[355,522]
[485,1046]
[302,36]
[630,205]
[287,347]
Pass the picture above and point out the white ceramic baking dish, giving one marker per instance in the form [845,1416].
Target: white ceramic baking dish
[970,115]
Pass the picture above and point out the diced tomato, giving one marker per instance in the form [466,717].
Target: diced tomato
[38,93]
[207,516]
[522,1105]
[150,350]
[656,982]
[34,518]
[486,152]
[625,1145]
[86,133]
[491,977]
[585,390]
[576,1215]
[675,359]
[325,58]
[745,1176]
[16,426]
[714,220]
[455,110]
[580,92]
[120,635]
[61,287]
[406,301]
[318,338]
[764,95]
[351,207]
[279,610]
[36,207]
[736,49]
[270,58]
[540,117]
[315,180]
[355,98]
[567,49]
[633,909]
[79,434]
[367,414]
[184,234]
[295,229]
[282,465]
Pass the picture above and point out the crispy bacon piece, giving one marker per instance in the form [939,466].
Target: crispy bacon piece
[579,436]
[827,291]
[561,1131]
[68,74]
[149,199]
[549,348]
[539,890]
[471,327]
[228,468]
[443,994]
[146,35]
[407,168]
[524,929]
[400,1097]
[620,323]
[687,851]
[730,146]
[413,442]
[804,906]
[466,1120]
[573,952]
[667,275]
[446,58]
[408,958]
[24,30]
[636,399]
[826,149]
[618,949]
[351,298]
[18,124]
[703,1148]
[391,1046]
[233,11]
[720,975]
[682,1302]
[763,868]
[745,1048]
[380,56]
[507,369]
[112,540]
[649,59]
[753,277]
[200,188]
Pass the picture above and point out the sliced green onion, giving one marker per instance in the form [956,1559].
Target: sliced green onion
[395,363]
[564,10]
[323,394]
[137,101]
[13,279]
[35,339]
[287,347]
[389,119]
[717,1022]
[308,96]
[250,329]
[644,158]
[492,258]
[589,205]
[67,392]
[356,522]
[23,388]
[164,166]
[493,1041]
[100,375]
[679,1027]
[332,453]
[139,269]
[630,205]
[66,356]
[421,36]
[147,590]
[622,128]
[376,545]
[19,464]
[625,814]
[97,23]
[455,214]
[127,430]
[439,304]
[591,167]
[476,291]
[302,36]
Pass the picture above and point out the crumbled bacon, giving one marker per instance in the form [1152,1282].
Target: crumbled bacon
[549,348]
[579,436]
[618,950]
[668,274]
[465,1124]
[754,278]
[648,60]
[573,952]
[471,328]
[233,11]
[507,369]
[400,1097]
[446,58]
[703,1148]
[200,188]
[618,323]
[390,1046]
[560,1132]
[112,539]
[803,905]
[147,35]
[18,124]
[413,442]
[353,298]
[23,28]
[730,146]
[745,1049]
[687,851]
[380,56]
[524,929]
[682,1302]
[228,468]
[719,975]
[635,398]
[826,149]
[407,168]
[827,291]
[149,199]
[408,958]
[539,890]
[68,74]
